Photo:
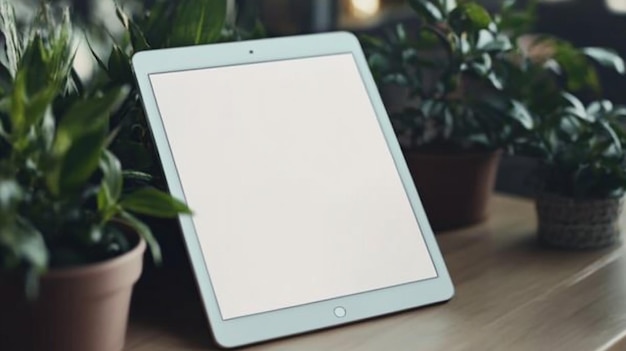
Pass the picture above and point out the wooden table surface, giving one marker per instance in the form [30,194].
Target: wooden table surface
[511,294]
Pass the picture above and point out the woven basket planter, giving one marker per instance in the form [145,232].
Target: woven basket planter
[578,224]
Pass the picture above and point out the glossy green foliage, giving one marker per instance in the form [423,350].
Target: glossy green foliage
[62,196]
[575,67]
[189,22]
[582,149]
[454,67]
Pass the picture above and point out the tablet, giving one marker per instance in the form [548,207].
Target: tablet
[305,214]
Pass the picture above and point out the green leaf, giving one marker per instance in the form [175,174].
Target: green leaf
[153,202]
[111,174]
[596,107]
[105,201]
[6,80]
[144,231]
[18,106]
[617,143]
[137,38]
[508,4]
[38,106]
[13,44]
[97,58]
[579,73]
[27,114]
[619,112]
[498,44]
[372,43]
[119,66]
[495,81]
[378,62]
[136,175]
[427,10]
[134,153]
[432,38]
[395,78]
[521,114]
[81,160]
[87,115]
[24,241]
[10,196]
[77,84]
[606,57]
[197,22]
[79,142]
[469,17]
[121,15]
[577,108]
[400,33]
[48,62]
[152,25]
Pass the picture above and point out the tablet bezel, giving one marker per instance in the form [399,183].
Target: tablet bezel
[274,324]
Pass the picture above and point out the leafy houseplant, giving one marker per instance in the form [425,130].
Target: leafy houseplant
[190,22]
[583,150]
[453,67]
[456,113]
[579,149]
[583,174]
[193,22]
[70,243]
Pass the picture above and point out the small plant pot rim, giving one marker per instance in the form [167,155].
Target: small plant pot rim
[91,268]
[99,277]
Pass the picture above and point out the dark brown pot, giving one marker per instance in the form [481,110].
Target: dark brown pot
[78,309]
[578,224]
[455,188]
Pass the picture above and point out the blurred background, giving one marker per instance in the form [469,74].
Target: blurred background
[585,23]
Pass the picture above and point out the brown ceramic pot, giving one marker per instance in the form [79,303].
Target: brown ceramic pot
[455,188]
[578,223]
[78,309]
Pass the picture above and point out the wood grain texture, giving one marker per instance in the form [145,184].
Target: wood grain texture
[511,294]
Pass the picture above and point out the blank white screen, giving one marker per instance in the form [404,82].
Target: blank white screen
[295,194]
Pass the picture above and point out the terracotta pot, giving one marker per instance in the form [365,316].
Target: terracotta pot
[78,309]
[455,188]
[578,224]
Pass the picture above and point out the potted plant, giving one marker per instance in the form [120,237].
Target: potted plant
[71,245]
[452,116]
[582,152]
[578,149]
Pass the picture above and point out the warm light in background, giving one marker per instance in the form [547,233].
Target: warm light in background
[618,6]
[364,8]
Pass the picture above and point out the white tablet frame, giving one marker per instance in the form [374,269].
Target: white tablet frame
[265,326]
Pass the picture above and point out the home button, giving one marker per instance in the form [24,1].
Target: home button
[340,312]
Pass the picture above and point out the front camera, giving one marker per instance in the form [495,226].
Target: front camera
[251,51]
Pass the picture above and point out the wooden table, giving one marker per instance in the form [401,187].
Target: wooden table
[511,294]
